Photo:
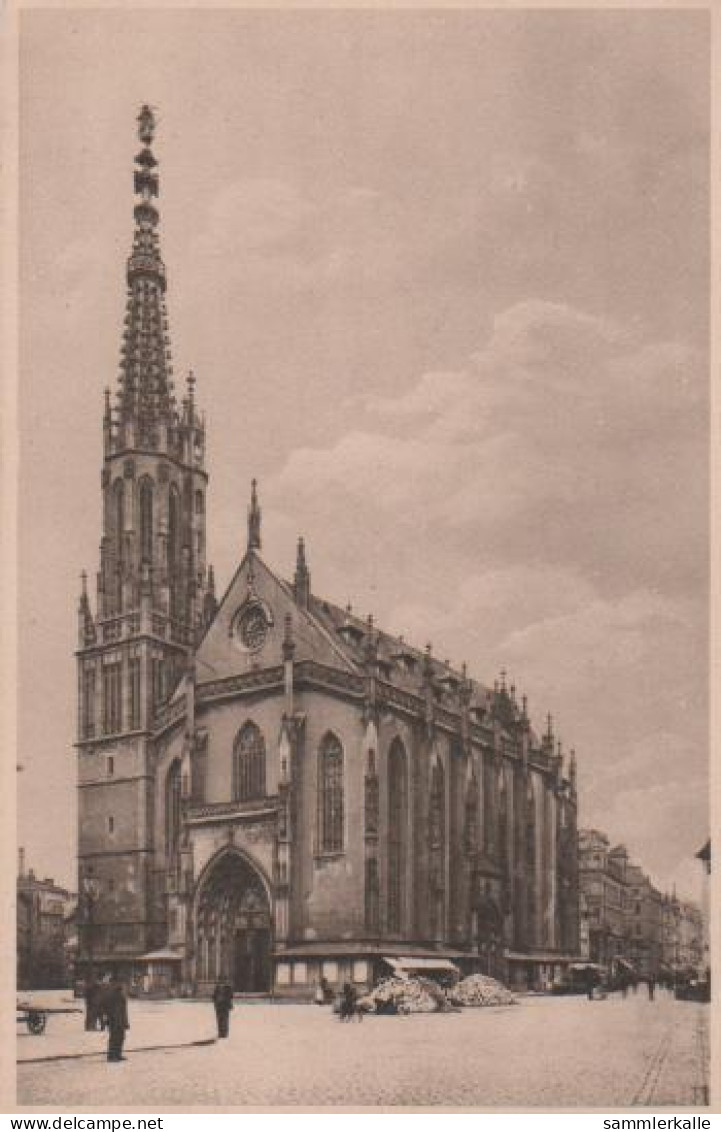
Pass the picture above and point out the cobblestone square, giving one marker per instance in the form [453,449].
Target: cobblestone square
[541,1052]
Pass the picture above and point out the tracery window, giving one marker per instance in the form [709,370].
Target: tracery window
[172,809]
[119,529]
[146,520]
[397,833]
[330,789]
[173,546]
[531,860]
[249,764]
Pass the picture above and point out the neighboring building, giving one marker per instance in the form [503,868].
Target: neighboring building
[682,935]
[43,908]
[271,788]
[704,855]
[644,922]
[603,886]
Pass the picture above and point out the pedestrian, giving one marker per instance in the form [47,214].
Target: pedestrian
[624,986]
[590,982]
[223,1003]
[349,1004]
[91,993]
[116,1012]
[651,984]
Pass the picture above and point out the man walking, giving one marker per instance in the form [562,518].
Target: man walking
[223,1003]
[92,997]
[116,1010]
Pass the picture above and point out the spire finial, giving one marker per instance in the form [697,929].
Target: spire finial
[301,581]
[146,125]
[254,514]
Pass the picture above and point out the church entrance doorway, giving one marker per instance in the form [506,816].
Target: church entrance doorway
[233,927]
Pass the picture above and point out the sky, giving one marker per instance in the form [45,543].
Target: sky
[443,280]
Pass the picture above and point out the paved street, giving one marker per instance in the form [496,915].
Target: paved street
[541,1052]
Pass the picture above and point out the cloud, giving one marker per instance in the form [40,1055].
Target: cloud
[272,233]
[543,508]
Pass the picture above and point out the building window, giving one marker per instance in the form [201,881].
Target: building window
[134,682]
[88,703]
[330,788]
[199,503]
[112,686]
[111,825]
[111,766]
[173,547]
[249,765]
[158,681]
[146,520]
[172,809]
[397,834]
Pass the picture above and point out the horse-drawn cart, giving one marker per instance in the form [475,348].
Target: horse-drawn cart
[36,1017]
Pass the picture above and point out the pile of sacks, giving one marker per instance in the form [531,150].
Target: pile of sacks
[480,990]
[405,996]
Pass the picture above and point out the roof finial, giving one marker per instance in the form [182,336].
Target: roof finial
[301,581]
[254,514]
[146,125]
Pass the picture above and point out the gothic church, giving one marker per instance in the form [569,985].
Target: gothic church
[271,788]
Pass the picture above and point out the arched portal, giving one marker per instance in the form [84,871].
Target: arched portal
[233,923]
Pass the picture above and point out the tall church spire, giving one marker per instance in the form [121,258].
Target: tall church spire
[146,409]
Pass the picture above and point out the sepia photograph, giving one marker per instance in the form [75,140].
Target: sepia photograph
[363,567]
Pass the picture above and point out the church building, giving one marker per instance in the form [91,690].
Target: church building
[271,788]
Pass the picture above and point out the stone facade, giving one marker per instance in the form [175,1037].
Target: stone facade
[271,788]
[45,930]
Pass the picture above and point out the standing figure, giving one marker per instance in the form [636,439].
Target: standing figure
[223,1003]
[651,984]
[348,1004]
[91,993]
[116,1012]
[590,982]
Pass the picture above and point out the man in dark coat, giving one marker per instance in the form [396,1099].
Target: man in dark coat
[91,995]
[223,1003]
[116,1011]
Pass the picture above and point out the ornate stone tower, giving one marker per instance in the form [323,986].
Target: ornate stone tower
[154,597]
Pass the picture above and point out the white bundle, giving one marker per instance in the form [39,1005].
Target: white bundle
[481,990]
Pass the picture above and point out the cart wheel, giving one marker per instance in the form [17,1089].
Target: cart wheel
[37,1021]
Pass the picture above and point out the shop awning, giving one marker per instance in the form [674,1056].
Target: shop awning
[163,955]
[413,963]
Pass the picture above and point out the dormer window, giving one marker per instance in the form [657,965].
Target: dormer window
[405,659]
[351,631]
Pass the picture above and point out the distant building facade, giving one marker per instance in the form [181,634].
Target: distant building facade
[44,912]
[270,787]
[603,888]
[628,918]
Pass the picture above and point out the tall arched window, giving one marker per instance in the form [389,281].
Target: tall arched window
[330,789]
[470,824]
[530,862]
[173,546]
[119,533]
[397,834]
[172,809]
[145,507]
[249,764]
